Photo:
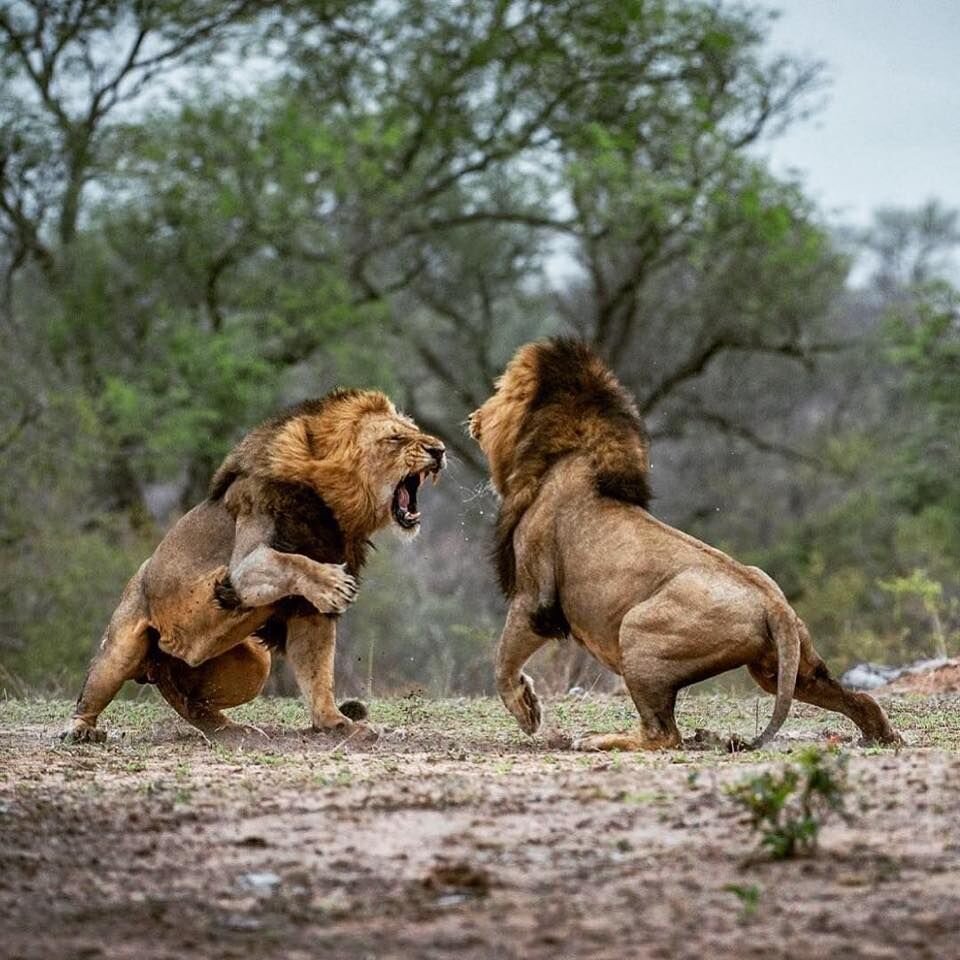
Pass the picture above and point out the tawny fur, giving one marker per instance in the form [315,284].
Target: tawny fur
[272,553]
[578,553]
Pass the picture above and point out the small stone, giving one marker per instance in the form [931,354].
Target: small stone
[265,882]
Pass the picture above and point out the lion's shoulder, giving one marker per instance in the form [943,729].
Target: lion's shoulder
[303,521]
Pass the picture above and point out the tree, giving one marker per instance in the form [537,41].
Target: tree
[404,195]
[883,528]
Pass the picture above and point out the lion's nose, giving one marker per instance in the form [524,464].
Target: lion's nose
[437,453]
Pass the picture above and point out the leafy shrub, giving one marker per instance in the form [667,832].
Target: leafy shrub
[788,808]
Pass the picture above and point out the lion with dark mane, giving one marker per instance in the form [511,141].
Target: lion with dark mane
[267,561]
[578,554]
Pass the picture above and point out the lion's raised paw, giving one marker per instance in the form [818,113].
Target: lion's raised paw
[338,592]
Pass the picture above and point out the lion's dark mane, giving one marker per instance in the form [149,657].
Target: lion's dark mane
[579,407]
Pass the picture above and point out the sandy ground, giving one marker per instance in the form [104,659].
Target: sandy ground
[455,836]
[942,679]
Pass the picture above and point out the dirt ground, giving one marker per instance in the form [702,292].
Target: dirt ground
[944,678]
[455,836]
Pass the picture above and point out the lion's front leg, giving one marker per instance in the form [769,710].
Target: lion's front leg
[311,650]
[265,576]
[518,643]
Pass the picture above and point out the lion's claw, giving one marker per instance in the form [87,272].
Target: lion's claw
[340,592]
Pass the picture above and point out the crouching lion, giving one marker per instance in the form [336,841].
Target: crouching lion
[268,560]
[579,555]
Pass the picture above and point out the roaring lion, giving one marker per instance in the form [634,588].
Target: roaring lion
[268,560]
[578,555]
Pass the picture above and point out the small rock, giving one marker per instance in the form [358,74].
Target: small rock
[241,921]
[354,710]
[868,676]
[265,882]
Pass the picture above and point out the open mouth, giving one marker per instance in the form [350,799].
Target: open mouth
[404,506]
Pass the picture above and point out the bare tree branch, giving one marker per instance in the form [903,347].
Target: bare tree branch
[694,411]
[453,440]
[28,415]
[701,357]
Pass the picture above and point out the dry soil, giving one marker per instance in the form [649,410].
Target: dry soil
[456,836]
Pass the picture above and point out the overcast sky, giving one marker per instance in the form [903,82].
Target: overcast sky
[890,131]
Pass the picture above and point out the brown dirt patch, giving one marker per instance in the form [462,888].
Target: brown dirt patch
[942,679]
[453,836]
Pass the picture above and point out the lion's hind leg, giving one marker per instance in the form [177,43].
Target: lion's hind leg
[815,685]
[201,694]
[652,681]
[657,729]
[121,657]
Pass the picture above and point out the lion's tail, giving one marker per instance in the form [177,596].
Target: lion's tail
[783,628]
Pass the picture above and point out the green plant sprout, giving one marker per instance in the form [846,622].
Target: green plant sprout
[788,808]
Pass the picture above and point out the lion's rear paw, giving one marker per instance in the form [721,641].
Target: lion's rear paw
[886,739]
[625,741]
[79,731]
[587,744]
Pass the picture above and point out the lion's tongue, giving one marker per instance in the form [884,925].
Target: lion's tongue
[403,498]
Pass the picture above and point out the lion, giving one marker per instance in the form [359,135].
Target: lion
[267,562]
[578,554]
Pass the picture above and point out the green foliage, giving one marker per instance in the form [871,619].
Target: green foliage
[787,809]
[928,593]
[403,634]
[749,897]
[875,571]
[924,342]
[259,201]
